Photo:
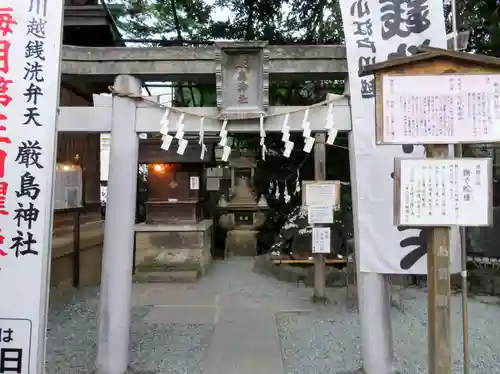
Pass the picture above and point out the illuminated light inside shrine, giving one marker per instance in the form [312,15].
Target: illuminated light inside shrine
[66,167]
[161,168]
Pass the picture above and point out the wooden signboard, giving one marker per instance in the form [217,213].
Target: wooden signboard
[439,109]
[443,192]
[438,97]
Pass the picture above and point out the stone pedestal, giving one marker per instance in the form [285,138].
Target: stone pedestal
[164,252]
[241,243]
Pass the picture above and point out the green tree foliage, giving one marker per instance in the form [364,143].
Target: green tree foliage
[163,19]
[482,19]
[281,21]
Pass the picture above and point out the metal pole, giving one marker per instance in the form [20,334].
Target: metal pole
[454,24]
[462,230]
[373,299]
[116,279]
[463,273]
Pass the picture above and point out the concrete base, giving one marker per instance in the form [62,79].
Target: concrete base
[172,253]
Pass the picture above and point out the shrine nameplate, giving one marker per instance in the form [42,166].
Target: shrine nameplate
[439,109]
[242,79]
[443,192]
[242,218]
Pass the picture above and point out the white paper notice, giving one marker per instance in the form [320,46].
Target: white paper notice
[321,194]
[321,240]
[444,192]
[194,183]
[441,109]
[317,214]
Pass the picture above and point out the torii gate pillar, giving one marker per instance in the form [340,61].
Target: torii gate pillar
[116,278]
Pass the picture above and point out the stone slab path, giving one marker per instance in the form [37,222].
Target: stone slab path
[237,322]
[242,307]
[226,323]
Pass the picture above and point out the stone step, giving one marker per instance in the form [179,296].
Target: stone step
[167,276]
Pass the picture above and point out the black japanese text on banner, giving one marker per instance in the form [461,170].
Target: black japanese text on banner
[375,31]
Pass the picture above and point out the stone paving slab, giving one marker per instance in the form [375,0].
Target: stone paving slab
[183,315]
[272,304]
[165,295]
[245,342]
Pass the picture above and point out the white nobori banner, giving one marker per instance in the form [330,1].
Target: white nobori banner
[375,31]
[30,53]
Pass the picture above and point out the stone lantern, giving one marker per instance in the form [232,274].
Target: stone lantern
[243,214]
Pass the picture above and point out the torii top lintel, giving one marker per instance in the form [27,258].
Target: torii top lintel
[240,69]
[200,63]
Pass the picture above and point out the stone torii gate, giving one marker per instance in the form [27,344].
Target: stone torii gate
[125,117]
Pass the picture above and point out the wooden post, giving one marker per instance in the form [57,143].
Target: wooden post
[76,248]
[439,289]
[319,259]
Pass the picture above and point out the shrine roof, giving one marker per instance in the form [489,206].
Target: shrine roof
[426,53]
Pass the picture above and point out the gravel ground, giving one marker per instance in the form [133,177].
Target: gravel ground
[162,348]
[325,340]
[328,341]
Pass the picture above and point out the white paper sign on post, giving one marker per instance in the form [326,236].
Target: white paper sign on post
[443,192]
[194,183]
[321,240]
[30,53]
[440,109]
[321,193]
[319,214]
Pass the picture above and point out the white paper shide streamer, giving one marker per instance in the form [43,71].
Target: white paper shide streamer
[226,150]
[262,136]
[201,140]
[166,138]
[179,135]
[332,131]
[306,132]
[297,183]
[285,130]
[286,196]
